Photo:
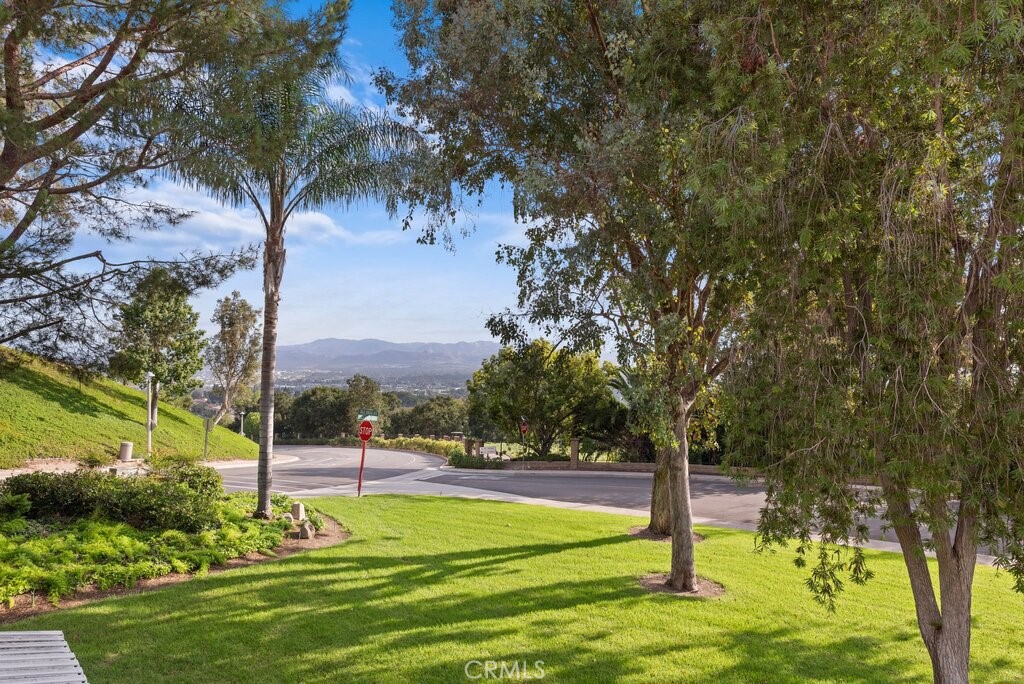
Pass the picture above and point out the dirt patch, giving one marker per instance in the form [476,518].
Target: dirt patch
[705,587]
[644,532]
[41,465]
[27,605]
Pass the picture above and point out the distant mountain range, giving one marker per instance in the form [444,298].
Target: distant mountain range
[387,359]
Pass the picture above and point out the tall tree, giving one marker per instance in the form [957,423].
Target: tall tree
[886,340]
[320,412]
[92,97]
[274,141]
[626,160]
[551,389]
[159,334]
[233,353]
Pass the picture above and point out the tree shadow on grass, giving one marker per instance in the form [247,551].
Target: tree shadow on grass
[352,614]
[784,655]
[68,398]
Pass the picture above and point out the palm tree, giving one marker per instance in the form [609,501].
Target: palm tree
[275,142]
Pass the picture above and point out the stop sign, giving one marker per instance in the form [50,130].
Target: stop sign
[365,430]
[524,427]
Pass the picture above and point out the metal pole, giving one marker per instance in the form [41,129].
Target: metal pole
[149,417]
[241,425]
[206,437]
[362,460]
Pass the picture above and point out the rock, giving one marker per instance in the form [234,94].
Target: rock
[306,530]
[298,511]
[287,516]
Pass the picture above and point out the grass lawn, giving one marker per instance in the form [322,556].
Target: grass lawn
[426,584]
[50,414]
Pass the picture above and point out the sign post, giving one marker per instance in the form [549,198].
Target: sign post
[365,433]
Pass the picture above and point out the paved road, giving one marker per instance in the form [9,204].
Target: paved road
[713,497]
[302,468]
[312,471]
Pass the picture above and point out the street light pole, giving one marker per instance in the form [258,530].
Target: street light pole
[149,414]
[241,424]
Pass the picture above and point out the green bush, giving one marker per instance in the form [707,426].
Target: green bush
[14,506]
[182,497]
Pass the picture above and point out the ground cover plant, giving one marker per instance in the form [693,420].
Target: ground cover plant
[51,413]
[425,585]
[64,532]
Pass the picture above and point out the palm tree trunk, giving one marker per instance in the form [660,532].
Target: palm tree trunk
[273,270]
[683,575]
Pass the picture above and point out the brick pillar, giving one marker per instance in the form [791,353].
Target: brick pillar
[574,453]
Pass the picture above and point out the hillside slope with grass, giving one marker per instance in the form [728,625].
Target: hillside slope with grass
[47,412]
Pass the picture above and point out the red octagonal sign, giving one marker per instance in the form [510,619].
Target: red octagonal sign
[365,430]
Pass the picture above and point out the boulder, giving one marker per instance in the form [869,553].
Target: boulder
[306,530]
[288,517]
[298,511]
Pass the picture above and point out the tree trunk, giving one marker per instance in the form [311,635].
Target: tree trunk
[273,270]
[661,502]
[683,576]
[155,405]
[946,631]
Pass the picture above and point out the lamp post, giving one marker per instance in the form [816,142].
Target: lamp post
[149,414]
[241,424]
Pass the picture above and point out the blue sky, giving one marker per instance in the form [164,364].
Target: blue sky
[353,273]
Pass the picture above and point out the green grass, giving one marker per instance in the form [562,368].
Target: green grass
[47,413]
[426,584]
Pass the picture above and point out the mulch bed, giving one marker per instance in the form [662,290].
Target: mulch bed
[705,588]
[644,532]
[27,605]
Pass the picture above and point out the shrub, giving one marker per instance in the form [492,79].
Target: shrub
[14,506]
[200,479]
[182,497]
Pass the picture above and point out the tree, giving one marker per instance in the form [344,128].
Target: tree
[94,98]
[159,335]
[362,394]
[547,387]
[435,416]
[275,141]
[885,342]
[234,352]
[640,180]
[321,412]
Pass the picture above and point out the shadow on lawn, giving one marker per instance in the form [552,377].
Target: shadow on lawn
[342,614]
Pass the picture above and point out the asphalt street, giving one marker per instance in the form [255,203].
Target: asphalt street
[315,470]
[302,468]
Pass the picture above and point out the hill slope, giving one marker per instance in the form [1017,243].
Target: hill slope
[46,413]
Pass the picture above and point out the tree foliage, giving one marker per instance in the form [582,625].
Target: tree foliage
[159,334]
[95,97]
[639,179]
[885,341]
[549,388]
[233,353]
[436,416]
